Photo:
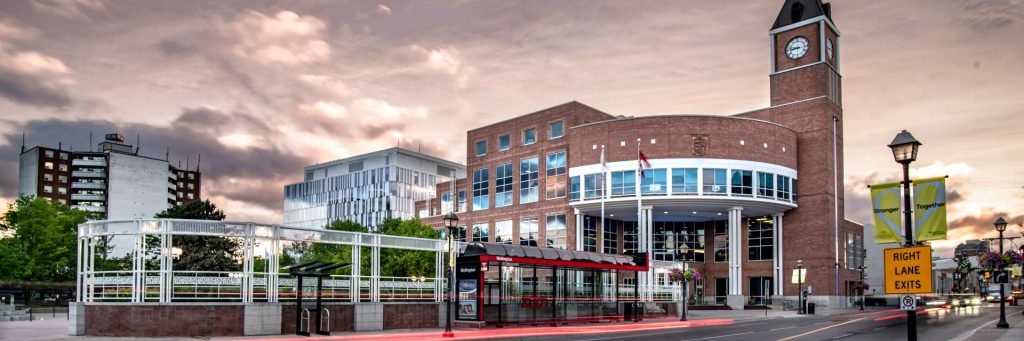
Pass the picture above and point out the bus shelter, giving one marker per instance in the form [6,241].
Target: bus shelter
[502,284]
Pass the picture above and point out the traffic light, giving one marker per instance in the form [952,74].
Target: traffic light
[988,274]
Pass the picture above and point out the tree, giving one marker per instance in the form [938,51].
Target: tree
[407,263]
[963,270]
[203,253]
[334,253]
[39,240]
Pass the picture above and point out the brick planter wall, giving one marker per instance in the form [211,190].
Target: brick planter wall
[164,320]
[405,316]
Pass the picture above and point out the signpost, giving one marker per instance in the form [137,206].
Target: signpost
[908,270]
[1001,277]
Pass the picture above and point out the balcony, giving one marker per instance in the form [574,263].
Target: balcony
[86,174]
[91,163]
[88,197]
[88,185]
[89,208]
[171,197]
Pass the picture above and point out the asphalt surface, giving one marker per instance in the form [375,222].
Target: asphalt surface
[973,323]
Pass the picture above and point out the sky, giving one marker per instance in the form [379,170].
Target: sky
[261,89]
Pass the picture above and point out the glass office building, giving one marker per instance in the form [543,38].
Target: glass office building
[366,189]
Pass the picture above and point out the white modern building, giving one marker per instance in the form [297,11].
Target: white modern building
[366,189]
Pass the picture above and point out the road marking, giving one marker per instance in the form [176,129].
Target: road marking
[823,328]
[719,336]
[879,328]
[790,327]
[842,336]
[968,334]
[632,336]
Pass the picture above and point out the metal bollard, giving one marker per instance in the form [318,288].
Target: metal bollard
[304,316]
[325,322]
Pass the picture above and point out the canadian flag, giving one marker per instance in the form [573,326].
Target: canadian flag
[642,160]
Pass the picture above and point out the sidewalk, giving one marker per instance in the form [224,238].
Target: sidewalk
[989,332]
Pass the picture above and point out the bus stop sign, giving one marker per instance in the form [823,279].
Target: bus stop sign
[908,270]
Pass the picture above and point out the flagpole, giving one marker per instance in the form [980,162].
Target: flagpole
[641,232]
[604,196]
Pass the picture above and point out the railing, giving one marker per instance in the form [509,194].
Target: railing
[92,197]
[83,162]
[88,185]
[84,174]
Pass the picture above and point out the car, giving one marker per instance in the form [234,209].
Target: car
[995,297]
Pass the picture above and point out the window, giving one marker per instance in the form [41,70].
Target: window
[63,156]
[503,232]
[446,202]
[854,251]
[721,241]
[555,231]
[765,185]
[504,142]
[669,237]
[529,136]
[480,178]
[47,177]
[462,201]
[715,181]
[593,186]
[529,171]
[684,181]
[783,186]
[181,184]
[503,185]
[555,130]
[760,289]
[191,176]
[589,234]
[759,238]
[48,165]
[574,188]
[611,238]
[63,167]
[629,238]
[481,148]
[742,182]
[49,153]
[181,194]
[480,232]
[191,186]
[62,179]
[528,231]
[191,196]
[47,189]
[62,190]
[555,184]
[794,190]
[623,183]
[653,182]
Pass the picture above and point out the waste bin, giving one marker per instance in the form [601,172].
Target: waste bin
[810,308]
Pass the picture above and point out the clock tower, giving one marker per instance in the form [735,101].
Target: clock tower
[805,53]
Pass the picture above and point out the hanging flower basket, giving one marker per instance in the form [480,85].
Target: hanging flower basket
[684,275]
[993,260]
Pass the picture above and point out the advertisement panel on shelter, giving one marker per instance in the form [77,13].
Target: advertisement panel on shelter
[467,291]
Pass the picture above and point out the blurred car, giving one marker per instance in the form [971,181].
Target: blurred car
[996,297]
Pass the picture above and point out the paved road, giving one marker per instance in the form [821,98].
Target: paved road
[933,324]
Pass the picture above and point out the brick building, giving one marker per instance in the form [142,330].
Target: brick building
[721,193]
[112,181]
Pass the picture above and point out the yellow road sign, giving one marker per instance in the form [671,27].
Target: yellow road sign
[908,270]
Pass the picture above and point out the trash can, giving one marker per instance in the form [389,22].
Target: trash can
[810,308]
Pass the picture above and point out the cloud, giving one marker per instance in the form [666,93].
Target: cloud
[991,14]
[73,9]
[328,85]
[30,77]
[173,48]
[285,38]
[448,60]
[383,9]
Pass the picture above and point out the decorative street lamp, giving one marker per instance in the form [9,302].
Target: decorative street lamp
[904,150]
[800,285]
[684,284]
[861,269]
[1001,226]
[451,221]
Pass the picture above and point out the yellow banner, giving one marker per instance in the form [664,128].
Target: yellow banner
[930,209]
[885,202]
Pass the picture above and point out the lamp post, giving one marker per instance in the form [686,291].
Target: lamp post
[451,221]
[861,269]
[800,286]
[1001,226]
[683,249]
[904,150]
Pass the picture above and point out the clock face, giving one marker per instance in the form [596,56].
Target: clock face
[797,48]
[828,47]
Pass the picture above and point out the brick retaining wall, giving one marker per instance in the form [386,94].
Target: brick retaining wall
[164,320]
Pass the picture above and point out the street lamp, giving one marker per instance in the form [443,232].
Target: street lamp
[683,249]
[861,269]
[451,221]
[1001,226]
[904,150]
[800,285]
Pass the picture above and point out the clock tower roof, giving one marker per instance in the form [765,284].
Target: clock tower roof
[794,11]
